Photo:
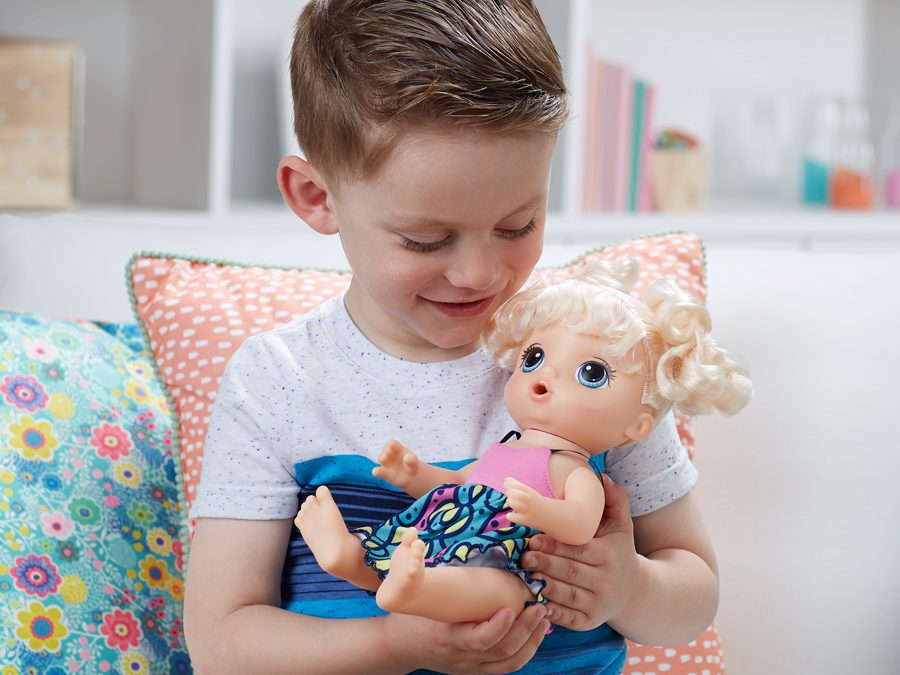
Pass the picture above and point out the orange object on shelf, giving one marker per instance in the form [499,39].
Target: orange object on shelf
[851,189]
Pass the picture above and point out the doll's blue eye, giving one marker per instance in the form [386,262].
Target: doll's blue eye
[593,374]
[532,359]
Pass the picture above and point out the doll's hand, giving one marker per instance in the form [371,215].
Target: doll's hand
[502,644]
[587,585]
[524,502]
[398,465]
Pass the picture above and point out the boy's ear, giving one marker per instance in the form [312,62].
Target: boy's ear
[305,191]
[641,428]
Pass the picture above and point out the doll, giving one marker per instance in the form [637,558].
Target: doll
[592,368]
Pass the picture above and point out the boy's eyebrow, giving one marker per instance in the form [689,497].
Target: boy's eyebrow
[428,221]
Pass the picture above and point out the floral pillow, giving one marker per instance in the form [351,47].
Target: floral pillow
[92,519]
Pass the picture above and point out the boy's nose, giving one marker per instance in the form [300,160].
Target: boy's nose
[475,267]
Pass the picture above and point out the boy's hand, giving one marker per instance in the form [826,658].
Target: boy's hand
[398,465]
[502,644]
[588,585]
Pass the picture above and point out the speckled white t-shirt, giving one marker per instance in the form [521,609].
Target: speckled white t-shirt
[317,387]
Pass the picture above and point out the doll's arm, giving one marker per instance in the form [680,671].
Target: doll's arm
[400,466]
[573,519]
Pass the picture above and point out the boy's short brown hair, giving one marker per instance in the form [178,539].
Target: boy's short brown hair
[364,70]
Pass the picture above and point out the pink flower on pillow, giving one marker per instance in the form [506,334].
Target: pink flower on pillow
[57,525]
[36,575]
[111,441]
[24,392]
[40,350]
[121,629]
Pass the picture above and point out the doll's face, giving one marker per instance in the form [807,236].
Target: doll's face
[566,384]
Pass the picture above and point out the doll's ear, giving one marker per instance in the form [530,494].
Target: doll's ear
[642,427]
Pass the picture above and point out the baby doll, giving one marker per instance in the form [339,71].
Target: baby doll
[593,368]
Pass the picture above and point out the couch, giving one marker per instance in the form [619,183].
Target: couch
[797,489]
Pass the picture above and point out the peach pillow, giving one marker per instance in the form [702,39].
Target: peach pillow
[195,313]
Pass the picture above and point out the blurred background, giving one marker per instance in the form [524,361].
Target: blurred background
[186,105]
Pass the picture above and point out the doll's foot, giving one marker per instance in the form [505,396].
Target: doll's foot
[407,574]
[320,522]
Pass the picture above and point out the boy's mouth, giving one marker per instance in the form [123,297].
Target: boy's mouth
[463,309]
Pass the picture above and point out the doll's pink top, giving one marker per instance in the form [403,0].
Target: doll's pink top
[528,465]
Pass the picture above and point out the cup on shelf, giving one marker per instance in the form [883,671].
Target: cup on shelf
[890,158]
[851,182]
[678,172]
[819,153]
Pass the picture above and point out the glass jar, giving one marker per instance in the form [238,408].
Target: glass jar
[890,158]
[851,184]
[819,155]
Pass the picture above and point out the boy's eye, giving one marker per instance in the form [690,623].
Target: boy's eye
[532,358]
[593,374]
[521,232]
[422,246]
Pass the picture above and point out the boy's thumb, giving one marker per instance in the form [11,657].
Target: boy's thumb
[617,510]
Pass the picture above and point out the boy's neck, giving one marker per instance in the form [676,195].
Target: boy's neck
[377,329]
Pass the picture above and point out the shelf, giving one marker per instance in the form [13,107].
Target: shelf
[185,102]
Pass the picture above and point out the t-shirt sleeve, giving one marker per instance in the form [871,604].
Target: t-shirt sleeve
[247,472]
[654,472]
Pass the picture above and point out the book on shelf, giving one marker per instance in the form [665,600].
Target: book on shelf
[618,130]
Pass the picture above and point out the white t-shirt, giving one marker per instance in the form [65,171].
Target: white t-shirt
[317,388]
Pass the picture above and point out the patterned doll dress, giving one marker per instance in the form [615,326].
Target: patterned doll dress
[466,525]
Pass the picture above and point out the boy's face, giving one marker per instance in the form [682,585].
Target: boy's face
[565,385]
[446,231]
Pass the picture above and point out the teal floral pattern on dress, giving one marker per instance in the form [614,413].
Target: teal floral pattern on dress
[92,522]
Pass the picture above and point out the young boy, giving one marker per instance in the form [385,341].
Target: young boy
[428,130]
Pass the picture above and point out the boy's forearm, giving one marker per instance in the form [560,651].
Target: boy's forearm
[266,639]
[676,599]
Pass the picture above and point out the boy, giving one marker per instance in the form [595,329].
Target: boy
[428,130]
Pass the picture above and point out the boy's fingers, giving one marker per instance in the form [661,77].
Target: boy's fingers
[557,568]
[524,654]
[515,634]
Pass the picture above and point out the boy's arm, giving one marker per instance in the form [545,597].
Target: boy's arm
[654,579]
[401,467]
[572,519]
[233,622]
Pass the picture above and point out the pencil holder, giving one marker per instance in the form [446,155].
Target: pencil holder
[678,178]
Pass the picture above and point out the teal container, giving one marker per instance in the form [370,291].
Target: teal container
[815,182]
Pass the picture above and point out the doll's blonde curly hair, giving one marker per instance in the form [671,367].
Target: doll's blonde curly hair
[686,368]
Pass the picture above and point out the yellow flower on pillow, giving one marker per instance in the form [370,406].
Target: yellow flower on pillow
[33,438]
[127,474]
[74,591]
[159,541]
[61,406]
[139,392]
[155,572]
[41,627]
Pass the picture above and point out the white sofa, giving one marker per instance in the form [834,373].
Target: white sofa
[798,489]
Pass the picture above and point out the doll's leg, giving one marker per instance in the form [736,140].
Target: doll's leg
[337,551]
[450,594]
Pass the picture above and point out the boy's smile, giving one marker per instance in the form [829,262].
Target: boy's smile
[448,228]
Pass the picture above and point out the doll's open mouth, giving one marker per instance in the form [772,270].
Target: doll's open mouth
[539,389]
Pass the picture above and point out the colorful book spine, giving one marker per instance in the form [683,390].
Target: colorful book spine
[644,202]
[637,137]
[622,139]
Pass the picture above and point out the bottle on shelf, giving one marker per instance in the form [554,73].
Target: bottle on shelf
[820,151]
[851,185]
[890,158]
